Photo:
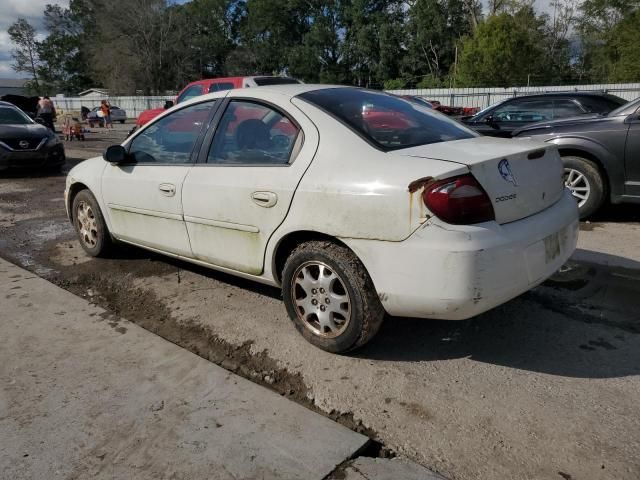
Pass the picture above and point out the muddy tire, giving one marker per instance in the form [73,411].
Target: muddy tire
[90,225]
[330,297]
[585,181]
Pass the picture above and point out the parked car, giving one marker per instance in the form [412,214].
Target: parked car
[417,99]
[25,143]
[117,115]
[293,186]
[601,155]
[503,118]
[211,85]
[28,105]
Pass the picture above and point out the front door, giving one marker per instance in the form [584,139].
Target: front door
[241,192]
[144,195]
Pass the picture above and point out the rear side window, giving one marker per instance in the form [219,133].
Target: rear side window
[251,133]
[221,86]
[192,91]
[264,81]
[524,111]
[599,104]
[563,108]
[386,121]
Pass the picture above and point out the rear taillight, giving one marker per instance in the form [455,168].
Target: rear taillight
[458,200]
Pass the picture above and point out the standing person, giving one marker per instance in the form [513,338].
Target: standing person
[46,111]
[105,108]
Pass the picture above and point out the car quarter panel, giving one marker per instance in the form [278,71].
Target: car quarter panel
[455,272]
[357,191]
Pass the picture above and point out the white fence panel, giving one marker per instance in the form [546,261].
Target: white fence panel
[132,105]
[455,97]
[483,97]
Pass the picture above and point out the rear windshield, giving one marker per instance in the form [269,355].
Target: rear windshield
[13,116]
[388,122]
[220,86]
[265,81]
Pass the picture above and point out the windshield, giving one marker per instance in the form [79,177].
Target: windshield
[13,116]
[626,109]
[389,122]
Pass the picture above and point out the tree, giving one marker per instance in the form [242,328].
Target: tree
[609,31]
[504,51]
[25,55]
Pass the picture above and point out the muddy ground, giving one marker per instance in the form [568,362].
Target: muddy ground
[546,386]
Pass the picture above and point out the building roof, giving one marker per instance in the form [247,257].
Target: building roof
[101,91]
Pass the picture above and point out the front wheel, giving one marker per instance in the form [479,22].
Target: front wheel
[90,225]
[330,297]
[582,177]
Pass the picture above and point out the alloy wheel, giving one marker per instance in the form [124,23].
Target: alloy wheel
[321,299]
[87,224]
[578,184]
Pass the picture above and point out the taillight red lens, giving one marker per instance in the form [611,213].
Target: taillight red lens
[458,200]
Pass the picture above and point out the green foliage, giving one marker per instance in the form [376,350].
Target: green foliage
[609,30]
[503,51]
[151,46]
[395,84]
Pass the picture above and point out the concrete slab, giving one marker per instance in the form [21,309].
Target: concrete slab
[364,468]
[83,395]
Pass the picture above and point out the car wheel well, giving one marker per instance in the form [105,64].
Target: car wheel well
[290,241]
[572,152]
[74,189]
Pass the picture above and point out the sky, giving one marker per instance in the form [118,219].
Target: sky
[32,10]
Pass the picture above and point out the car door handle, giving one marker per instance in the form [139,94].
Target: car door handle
[264,199]
[167,189]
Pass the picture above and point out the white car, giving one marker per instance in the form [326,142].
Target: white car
[117,115]
[354,202]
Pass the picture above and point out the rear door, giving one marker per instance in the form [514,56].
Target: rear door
[243,185]
[144,195]
[632,155]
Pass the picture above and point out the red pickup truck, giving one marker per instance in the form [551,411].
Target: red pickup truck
[211,85]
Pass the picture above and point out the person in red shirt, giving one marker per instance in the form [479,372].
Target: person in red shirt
[105,108]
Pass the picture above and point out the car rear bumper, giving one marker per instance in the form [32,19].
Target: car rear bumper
[45,157]
[456,272]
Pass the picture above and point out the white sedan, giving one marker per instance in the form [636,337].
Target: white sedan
[354,202]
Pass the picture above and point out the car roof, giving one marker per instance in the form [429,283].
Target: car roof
[288,90]
[7,104]
[562,94]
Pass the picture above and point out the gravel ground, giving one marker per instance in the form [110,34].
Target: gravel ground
[546,386]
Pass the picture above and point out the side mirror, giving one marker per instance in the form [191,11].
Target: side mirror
[168,104]
[115,154]
[489,119]
[39,120]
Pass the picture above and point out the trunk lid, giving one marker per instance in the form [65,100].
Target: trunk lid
[521,177]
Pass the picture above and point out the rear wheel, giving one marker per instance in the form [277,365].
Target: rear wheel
[90,225]
[330,297]
[583,179]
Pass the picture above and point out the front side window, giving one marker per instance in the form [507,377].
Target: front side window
[191,92]
[221,86]
[524,111]
[389,122]
[170,140]
[253,133]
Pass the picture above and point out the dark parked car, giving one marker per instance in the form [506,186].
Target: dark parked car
[503,118]
[25,143]
[601,155]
